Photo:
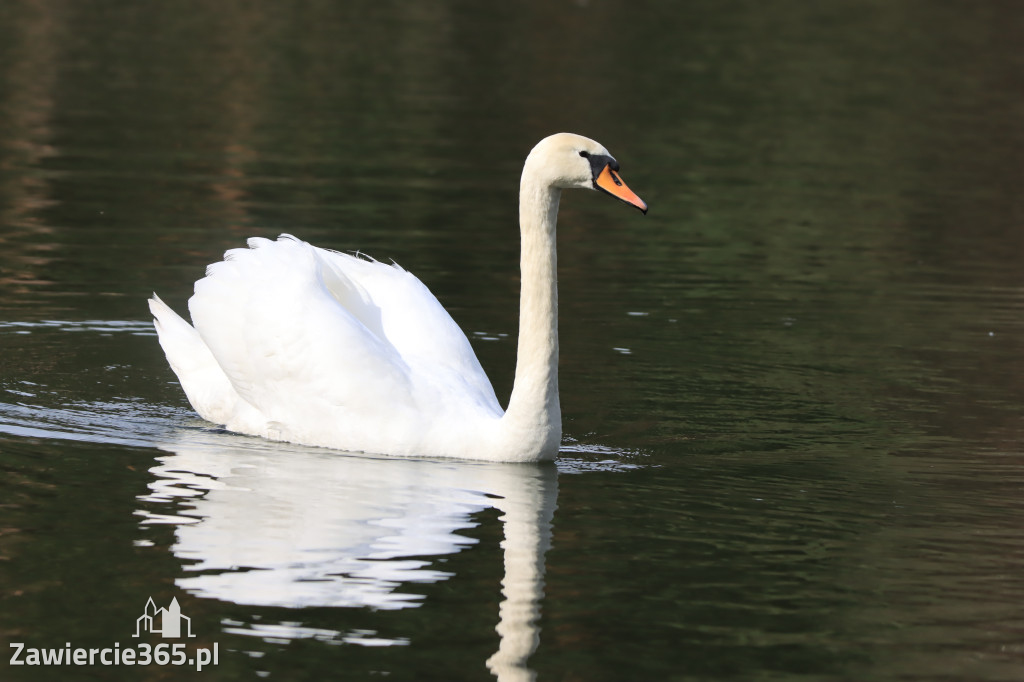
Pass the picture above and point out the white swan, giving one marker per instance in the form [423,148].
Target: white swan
[300,344]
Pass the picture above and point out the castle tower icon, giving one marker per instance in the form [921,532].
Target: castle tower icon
[165,622]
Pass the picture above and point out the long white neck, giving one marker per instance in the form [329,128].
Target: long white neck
[533,421]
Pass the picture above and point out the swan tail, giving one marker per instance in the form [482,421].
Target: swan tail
[202,379]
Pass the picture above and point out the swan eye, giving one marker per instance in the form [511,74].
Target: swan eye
[598,163]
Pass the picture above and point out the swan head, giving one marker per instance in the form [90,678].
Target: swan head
[565,161]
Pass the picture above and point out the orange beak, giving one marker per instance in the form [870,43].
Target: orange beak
[610,182]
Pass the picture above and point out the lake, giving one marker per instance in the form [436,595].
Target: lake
[792,394]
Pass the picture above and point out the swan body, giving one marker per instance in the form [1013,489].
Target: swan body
[297,343]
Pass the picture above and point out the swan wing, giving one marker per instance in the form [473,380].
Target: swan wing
[334,350]
[412,320]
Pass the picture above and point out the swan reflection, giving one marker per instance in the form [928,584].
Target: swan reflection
[272,525]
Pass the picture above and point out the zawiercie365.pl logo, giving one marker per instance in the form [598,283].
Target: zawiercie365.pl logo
[168,622]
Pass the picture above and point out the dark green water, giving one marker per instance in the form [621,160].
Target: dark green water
[793,393]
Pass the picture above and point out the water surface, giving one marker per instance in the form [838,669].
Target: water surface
[792,393]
